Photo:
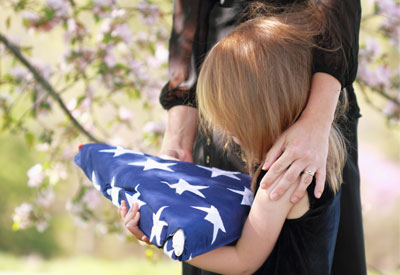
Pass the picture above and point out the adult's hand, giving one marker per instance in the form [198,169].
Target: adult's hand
[304,146]
[180,133]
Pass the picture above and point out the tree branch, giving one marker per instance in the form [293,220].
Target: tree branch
[46,86]
[381,93]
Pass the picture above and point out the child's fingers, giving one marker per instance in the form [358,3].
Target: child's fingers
[122,209]
[133,227]
[146,240]
[131,213]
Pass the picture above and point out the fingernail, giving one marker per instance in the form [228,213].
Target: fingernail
[265,166]
[319,194]
[295,199]
[144,238]
[274,196]
[263,185]
[137,215]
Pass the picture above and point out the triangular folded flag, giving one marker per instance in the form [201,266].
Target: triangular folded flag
[186,209]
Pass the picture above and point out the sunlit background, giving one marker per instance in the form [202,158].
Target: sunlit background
[51,221]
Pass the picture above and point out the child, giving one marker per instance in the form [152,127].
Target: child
[253,85]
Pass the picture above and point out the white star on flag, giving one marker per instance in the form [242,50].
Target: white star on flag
[166,252]
[214,218]
[114,193]
[152,164]
[247,195]
[182,186]
[94,180]
[215,172]
[118,151]
[135,198]
[157,226]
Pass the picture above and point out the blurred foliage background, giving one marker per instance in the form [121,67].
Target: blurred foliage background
[107,60]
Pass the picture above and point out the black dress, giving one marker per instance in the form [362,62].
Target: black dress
[306,245]
[198,25]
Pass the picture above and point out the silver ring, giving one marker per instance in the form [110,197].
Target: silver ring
[309,172]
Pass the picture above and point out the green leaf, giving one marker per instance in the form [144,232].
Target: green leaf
[30,139]
[107,38]
[133,94]
[49,13]
[8,22]
[20,5]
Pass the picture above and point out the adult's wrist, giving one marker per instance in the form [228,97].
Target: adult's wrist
[322,102]
[181,128]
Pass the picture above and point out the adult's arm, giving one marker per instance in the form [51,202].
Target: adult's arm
[187,48]
[304,146]
[180,133]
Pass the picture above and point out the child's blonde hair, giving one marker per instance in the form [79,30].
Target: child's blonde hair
[255,83]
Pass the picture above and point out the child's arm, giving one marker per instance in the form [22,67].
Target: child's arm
[258,238]
[259,235]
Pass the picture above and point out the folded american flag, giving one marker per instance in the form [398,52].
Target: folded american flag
[186,209]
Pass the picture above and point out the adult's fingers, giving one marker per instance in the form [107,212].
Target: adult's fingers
[300,191]
[290,177]
[169,157]
[277,169]
[320,183]
[273,153]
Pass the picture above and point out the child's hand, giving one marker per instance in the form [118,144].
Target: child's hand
[131,221]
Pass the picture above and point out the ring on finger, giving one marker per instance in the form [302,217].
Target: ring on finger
[309,172]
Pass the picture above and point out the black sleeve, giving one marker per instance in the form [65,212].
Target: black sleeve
[343,25]
[187,43]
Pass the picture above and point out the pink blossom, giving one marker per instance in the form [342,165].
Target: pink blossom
[110,59]
[149,12]
[142,37]
[118,13]
[44,69]
[45,197]
[101,7]
[56,172]
[391,108]
[379,179]
[383,76]
[123,31]
[59,6]
[389,8]
[41,225]
[154,127]
[20,73]
[23,215]
[30,18]
[379,77]
[71,105]
[372,46]
[103,3]
[124,114]
[91,199]
[35,175]
[42,147]
[138,69]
